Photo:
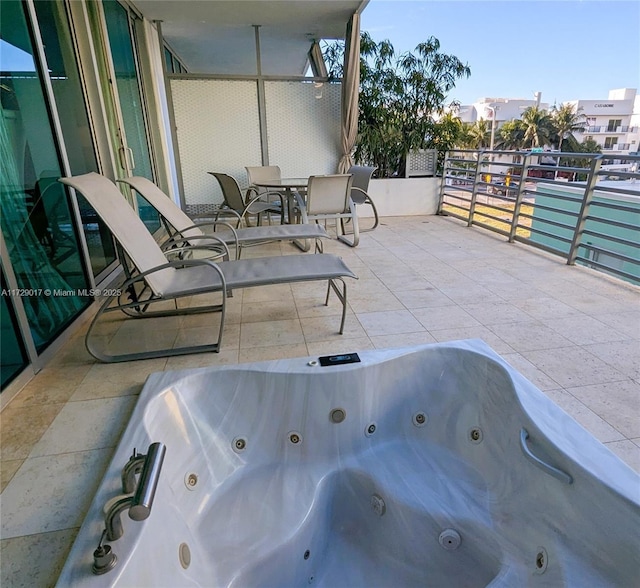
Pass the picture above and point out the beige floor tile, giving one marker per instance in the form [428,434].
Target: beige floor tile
[444,317]
[624,356]
[110,380]
[52,386]
[545,307]
[477,332]
[262,293]
[573,366]
[402,340]
[495,312]
[272,352]
[73,353]
[327,329]
[8,469]
[212,319]
[530,371]
[623,322]
[86,425]
[593,423]
[336,346]
[618,403]
[423,298]
[266,333]
[197,360]
[584,330]
[269,310]
[23,426]
[208,336]
[314,307]
[52,492]
[389,322]
[144,339]
[35,560]
[529,336]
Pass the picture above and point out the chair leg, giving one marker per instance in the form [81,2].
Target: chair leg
[376,219]
[356,231]
[342,296]
[168,352]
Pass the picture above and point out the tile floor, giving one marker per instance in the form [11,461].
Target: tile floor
[572,332]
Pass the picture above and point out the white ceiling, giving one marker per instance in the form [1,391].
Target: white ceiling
[217,36]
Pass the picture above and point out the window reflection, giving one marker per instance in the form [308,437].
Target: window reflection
[65,81]
[35,211]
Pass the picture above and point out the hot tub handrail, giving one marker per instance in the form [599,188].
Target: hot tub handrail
[543,465]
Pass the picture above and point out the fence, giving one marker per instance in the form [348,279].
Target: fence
[583,207]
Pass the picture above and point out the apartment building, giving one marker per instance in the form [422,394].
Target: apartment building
[612,123]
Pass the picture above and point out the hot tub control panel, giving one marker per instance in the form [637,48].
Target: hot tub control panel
[339,359]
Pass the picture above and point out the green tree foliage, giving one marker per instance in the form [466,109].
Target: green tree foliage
[511,135]
[565,121]
[538,127]
[400,98]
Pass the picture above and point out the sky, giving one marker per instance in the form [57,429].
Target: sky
[566,49]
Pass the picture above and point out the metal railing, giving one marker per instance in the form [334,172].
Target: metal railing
[583,207]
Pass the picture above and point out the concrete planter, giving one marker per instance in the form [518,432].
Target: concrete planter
[403,197]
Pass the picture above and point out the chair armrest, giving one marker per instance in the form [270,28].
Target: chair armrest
[359,200]
[172,264]
[180,246]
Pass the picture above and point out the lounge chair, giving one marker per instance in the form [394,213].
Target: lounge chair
[329,198]
[154,279]
[183,230]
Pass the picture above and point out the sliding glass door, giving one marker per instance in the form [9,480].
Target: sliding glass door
[75,125]
[37,215]
[128,100]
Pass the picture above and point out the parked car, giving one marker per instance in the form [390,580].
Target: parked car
[501,188]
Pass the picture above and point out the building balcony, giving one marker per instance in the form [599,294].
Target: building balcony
[609,129]
[570,330]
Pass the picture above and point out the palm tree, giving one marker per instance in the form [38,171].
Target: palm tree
[566,121]
[478,134]
[537,127]
[511,136]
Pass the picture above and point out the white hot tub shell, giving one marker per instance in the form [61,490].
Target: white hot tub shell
[436,465]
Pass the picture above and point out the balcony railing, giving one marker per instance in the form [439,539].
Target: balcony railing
[616,147]
[610,129]
[566,204]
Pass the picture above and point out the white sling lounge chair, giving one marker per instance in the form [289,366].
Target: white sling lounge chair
[183,230]
[155,279]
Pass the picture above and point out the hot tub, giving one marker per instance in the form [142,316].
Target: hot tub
[436,465]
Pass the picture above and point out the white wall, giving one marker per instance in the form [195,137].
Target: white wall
[403,197]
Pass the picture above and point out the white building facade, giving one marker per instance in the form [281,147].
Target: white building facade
[612,123]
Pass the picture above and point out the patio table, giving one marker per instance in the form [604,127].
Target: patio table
[289,187]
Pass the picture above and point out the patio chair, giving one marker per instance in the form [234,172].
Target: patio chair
[361,177]
[155,280]
[233,200]
[329,198]
[263,173]
[182,229]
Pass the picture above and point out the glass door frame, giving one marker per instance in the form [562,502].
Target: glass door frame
[122,151]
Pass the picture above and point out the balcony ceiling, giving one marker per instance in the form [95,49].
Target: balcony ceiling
[216,36]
